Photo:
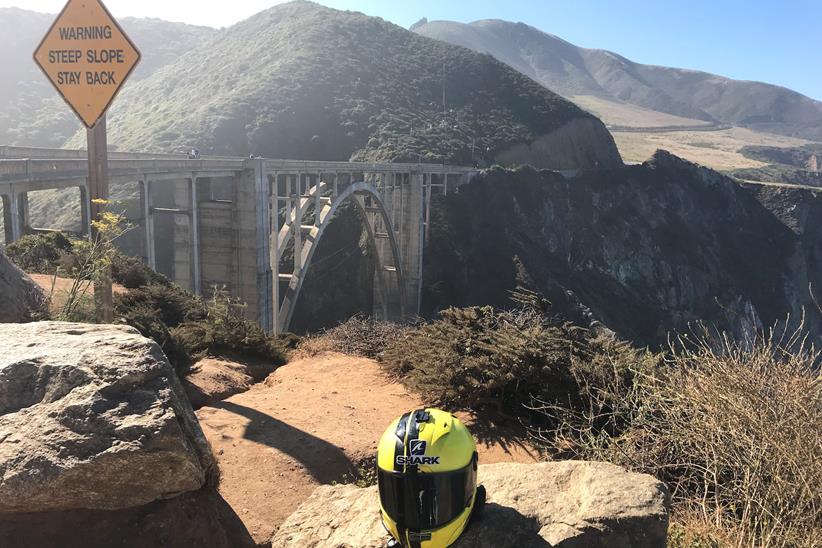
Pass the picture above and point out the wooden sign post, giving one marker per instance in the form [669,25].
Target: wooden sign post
[87,57]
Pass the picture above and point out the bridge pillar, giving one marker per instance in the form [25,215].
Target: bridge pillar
[411,238]
[146,203]
[251,276]
[85,207]
[8,222]
[14,220]
[195,235]
[182,233]
[23,217]
[261,204]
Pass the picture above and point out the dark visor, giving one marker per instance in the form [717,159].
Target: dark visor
[420,501]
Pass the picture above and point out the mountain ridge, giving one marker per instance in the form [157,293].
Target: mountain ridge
[572,71]
[298,81]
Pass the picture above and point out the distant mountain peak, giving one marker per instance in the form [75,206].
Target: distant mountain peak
[576,72]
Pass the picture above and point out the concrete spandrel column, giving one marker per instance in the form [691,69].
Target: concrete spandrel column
[317,197]
[148,223]
[274,254]
[297,229]
[194,235]
[428,188]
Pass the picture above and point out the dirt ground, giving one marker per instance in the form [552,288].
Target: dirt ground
[315,421]
[62,287]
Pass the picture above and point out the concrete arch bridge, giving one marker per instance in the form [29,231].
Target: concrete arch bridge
[250,225]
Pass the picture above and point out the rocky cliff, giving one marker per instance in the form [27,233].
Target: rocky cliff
[643,249]
[21,299]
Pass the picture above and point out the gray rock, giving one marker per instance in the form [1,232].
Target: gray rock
[21,300]
[93,416]
[568,504]
[199,518]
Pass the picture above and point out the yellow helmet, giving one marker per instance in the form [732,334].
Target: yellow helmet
[427,476]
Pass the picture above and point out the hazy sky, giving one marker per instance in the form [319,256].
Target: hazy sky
[775,41]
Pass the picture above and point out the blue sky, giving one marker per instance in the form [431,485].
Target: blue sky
[779,42]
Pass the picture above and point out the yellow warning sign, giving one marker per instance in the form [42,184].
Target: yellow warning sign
[87,57]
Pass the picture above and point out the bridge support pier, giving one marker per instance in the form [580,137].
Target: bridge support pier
[12,218]
[85,208]
[412,237]
[149,250]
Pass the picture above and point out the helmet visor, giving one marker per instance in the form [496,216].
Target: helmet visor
[420,501]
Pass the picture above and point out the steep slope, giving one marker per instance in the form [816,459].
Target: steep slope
[303,81]
[642,249]
[606,80]
[33,114]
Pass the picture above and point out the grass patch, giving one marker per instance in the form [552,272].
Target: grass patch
[732,427]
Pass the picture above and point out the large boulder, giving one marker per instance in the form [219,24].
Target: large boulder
[568,504]
[93,416]
[199,518]
[21,300]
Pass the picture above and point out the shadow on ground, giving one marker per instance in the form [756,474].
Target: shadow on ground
[199,518]
[324,461]
[520,531]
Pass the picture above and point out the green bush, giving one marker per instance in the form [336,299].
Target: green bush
[188,328]
[172,304]
[478,355]
[131,272]
[39,253]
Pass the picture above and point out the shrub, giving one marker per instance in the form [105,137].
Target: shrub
[39,253]
[478,355]
[131,272]
[148,322]
[188,328]
[357,336]
[733,429]
[172,304]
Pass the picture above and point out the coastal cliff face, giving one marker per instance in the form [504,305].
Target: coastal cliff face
[644,250]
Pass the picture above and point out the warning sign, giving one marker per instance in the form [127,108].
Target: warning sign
[87,57]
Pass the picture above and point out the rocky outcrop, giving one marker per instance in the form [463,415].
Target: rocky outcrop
[93,417]
[21,300]
[569,504]
[644,250]
[581,143]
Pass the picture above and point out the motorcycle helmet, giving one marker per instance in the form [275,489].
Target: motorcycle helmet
[427,477]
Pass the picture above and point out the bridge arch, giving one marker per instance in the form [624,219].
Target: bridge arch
[368,199]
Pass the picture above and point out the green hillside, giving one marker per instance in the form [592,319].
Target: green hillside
[33,114]
[304,81]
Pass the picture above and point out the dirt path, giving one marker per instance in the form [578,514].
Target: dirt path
[311,422]
[62,287]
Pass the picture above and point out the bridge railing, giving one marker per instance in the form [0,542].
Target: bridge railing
[40,169]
